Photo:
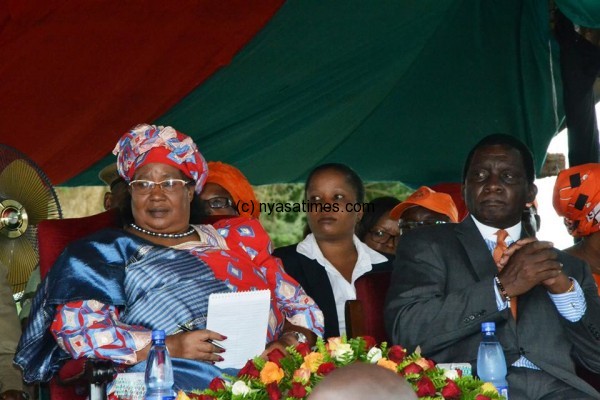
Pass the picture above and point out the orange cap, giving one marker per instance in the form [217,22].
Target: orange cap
[425,197]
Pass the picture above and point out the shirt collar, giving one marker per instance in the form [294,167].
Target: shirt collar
[489,232]
[309,248]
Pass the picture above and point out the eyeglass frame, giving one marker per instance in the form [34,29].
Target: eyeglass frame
[153,184]
[229,202]
[418,224]
[372,232]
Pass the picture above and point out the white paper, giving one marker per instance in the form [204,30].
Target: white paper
[243,318]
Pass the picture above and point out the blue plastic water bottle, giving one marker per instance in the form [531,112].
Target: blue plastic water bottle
[159,370]
[491,365]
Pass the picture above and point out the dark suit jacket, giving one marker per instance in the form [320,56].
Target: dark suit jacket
[313,278]
[442,290]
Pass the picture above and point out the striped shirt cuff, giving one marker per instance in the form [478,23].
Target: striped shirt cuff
[570,305]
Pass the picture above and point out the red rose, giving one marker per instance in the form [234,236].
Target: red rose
[370,342]
[275,355]
[425,387]
[451,390]
[482,397]
[412,368]
[216,384]
[396,354]
[325,368]
[298,391]
[249,370]
[273,391]
[303,349]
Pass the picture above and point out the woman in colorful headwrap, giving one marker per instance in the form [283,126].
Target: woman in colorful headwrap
[107,292]
[577,198]
[228,192]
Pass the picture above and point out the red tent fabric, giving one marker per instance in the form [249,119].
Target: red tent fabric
[73,58]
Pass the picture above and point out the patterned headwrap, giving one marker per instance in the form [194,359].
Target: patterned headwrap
[145,144]
[577,198]
[231,179]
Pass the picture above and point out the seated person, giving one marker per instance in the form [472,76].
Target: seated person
[449,278]
[361,381]
[577,199]
[424,207]
[228,192]
[118,187]
[107,292]
[376,229]
[330,259]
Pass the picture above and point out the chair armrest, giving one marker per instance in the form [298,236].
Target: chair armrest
[355,319]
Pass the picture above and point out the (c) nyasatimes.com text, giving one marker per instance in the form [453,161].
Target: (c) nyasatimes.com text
[303,207]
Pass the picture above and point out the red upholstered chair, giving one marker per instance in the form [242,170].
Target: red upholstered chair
[364,316]
[73,380]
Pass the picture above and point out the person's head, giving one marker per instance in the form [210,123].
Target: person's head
[148,155]
[498,180]
[424,207]
[360,381]
[576,198]
[335,194]
[376,228]
[117,185]
[228,192]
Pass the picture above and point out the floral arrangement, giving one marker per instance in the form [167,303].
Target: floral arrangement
[293,376]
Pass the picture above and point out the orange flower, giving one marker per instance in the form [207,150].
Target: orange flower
[271,373]
[389,364]
[312,361]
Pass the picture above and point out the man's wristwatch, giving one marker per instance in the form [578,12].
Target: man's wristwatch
[300,337]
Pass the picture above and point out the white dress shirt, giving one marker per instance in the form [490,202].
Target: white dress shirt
[342,289]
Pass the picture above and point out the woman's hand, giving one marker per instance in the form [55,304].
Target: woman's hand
[194,345]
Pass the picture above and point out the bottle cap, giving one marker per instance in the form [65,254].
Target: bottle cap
[158,334]
[488,327]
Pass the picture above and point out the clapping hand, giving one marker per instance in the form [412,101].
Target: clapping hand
[528,263]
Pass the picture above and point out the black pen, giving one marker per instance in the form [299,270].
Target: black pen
[186,329]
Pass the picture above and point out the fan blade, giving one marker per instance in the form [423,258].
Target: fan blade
[21,182]
[20,257]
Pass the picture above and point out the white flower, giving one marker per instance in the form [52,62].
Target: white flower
[342,351]
[240,389]
[451,374]
[374,355]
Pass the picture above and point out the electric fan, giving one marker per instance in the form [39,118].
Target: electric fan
[26,198]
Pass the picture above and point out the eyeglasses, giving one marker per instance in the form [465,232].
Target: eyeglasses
[382,237]
[406,226]
[140,186]
[218,202]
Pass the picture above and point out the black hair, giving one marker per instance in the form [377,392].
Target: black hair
[508,141]
[351,177]
[372,213]
[126,213]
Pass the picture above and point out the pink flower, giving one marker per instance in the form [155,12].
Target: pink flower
[302,375]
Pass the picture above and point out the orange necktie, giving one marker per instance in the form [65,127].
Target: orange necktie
[501,236]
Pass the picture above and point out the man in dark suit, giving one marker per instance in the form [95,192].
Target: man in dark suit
[446,283]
